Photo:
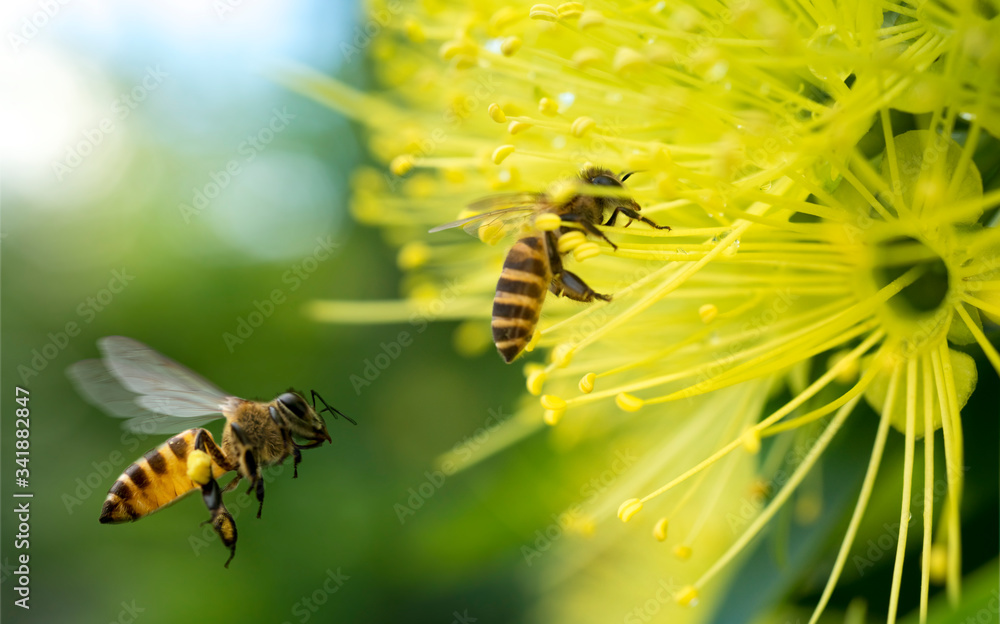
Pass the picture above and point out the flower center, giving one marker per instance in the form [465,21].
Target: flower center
[895,257]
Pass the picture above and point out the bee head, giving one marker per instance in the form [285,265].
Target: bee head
[599,176]
[304,420]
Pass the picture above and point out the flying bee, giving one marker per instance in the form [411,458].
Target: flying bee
[533,265]
[158,395]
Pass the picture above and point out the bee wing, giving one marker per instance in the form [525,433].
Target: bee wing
[500,221]
[99,387]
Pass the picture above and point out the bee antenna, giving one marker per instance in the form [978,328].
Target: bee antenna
[328,408]
[626,176]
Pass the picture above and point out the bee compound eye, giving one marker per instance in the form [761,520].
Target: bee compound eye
[294,403]
[604,180]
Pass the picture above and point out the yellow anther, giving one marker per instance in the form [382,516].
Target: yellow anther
[570,241]
[414,30]
[544,12]
[562,355]
[751,441]
[587,383]
[628,60]
[453,48]
[510,46]
[569,9]
[503,18]
[660,529]
[548,222]
[687,596]
[562,190]
[590,18]
[708,312]
[501,153]
[682,552]
[413,255]
[939,564]
[586,57]
[553,402]
[535,337]
[496,113]
[199,467]
[628,402]
[465,61]
[536,379]
[548,106]
[581,126]
[552,417]
[629,508]
[401,165]
[586,251]
[517,126]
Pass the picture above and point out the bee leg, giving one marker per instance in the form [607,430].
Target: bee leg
[250,466]
[631,213]
[222,521]
[569,285]
[589,227]
[288,438]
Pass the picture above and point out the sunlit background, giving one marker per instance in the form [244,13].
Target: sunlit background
[158,183]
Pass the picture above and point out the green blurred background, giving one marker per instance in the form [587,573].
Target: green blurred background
[120,115]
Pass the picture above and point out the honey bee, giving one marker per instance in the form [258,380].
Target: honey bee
[533,265]
[158,395]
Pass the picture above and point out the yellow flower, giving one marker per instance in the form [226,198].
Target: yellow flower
[819,166]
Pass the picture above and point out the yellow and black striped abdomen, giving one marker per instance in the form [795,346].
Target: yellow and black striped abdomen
[520,292]
[157,479]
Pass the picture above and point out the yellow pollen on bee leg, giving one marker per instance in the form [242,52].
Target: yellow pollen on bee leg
[687,596]
[496,113]
[501,153]
[548,222]
[536,379]
[629,508]
[682,552]
[628,402]
[510,46]
[660,529]
[708,312]
[199,467]
[570,241]
[586,251]
[587,383]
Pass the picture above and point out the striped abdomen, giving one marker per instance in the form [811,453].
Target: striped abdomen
[520,292]
[157,479]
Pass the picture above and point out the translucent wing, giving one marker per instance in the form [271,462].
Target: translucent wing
[100,388]
[493,225]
